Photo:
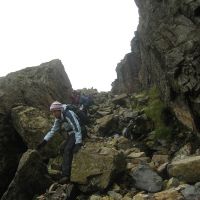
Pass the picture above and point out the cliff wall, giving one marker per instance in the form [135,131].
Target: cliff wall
[166,54]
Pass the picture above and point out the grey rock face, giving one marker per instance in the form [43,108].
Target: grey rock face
[146,179]
[166,52]
[127,75]
[33,86]
[192,192]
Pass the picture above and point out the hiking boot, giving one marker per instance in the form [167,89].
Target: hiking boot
[64,180]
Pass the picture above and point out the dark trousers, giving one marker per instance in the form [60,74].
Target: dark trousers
[67,151]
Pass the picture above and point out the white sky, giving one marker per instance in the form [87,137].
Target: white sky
[89,36]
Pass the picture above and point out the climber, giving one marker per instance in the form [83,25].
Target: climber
[67,120]
[85,102]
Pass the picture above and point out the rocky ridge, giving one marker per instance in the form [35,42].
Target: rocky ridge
[125,157]
[136,149]
[165,52]
[130,162]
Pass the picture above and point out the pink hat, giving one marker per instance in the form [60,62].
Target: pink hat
[56,106]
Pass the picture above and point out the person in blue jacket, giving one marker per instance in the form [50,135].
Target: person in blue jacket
[85,102]
[72,144]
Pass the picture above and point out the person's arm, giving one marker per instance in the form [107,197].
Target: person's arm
[49,135]
[55,128]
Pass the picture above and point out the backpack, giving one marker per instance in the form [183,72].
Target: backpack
[82,118]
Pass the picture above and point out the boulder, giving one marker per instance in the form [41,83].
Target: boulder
[33,86]
[186,169]
[106,125]
[184,115]
[172,182]
[158,160]
[129,114]
[170,194]
[123,143]
[120,99]
[31,178]
[183,152]
[95,167]
[32,124]
[192,192]
[146,179]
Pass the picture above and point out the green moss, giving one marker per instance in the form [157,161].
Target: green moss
[163,132]
[154,109]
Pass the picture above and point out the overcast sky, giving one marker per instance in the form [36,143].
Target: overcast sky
[89,36]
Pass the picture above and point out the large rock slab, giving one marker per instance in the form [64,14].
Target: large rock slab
[35,86]
[186,169]
[32,125]
[96,166]
[31,178]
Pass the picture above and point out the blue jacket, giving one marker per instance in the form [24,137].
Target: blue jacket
[69,117]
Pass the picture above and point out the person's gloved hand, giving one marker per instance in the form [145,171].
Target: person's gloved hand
[77,147]
[41,145]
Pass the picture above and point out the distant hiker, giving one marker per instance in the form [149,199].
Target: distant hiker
[75,98]
[85,102]
[67,119]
